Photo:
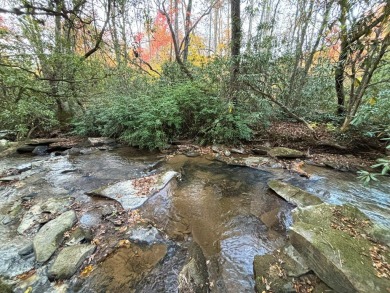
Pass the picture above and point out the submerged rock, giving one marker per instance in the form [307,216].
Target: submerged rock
[145,235]
[335,242]
[132,194]
[293,194]
[280,152]
[69,260]
[194,276]
[50,236]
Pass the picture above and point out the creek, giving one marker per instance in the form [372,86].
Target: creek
[228,211]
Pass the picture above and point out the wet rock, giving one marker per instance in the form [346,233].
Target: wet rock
[38,213]
[40,150]
[280,152]
[69,260]
[11,263]
[194,275]
[334,240]
[50,236]
[26,250]
[293,194]
[72,151]
[192,154]
[99,141]
[132,196]
[145,235]
[38,282]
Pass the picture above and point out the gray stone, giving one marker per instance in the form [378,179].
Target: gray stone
[215,149]
[293,194]
[78,235]
[127,193]
[260,150]
[35,214]
[335,242]
[280,152]
[50,236]
[26,250]
[69,260]
[227,153]
[147,235]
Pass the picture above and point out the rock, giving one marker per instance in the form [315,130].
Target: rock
[293,194]
[215,149]
[69,260]
[240,151]
[26,250]
[280,152]
[277,272]
[99,141]
[38,212]
[132,194]
[3,143]
[334,240]
[194,275]
[25,149]
[40,150]
[192,154]
[79,235]
[50,236]
[145,235]
[227,153]
[256,161]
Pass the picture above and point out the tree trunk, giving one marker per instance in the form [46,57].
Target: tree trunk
[187,30]
[235,48]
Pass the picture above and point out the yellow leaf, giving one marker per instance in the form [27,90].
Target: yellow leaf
[372,101]
[86,271]
[28,290]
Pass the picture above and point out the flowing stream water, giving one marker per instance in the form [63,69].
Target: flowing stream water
[228,211]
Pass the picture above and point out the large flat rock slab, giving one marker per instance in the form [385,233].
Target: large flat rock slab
[50,236]
[336,242]
[132,194]
[293,194]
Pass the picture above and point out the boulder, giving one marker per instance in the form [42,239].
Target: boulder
[336,244]
[40,150]
[280,152]
[50,236]
[25,149]
[132,194]
[69,260]
[293,194]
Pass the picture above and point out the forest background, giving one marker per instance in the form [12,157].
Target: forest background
[214,71]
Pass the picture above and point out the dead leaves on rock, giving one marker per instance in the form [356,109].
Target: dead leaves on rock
[379,261]
[145,185]
[352,226]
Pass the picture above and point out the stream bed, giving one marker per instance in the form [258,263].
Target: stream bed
[225,213]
